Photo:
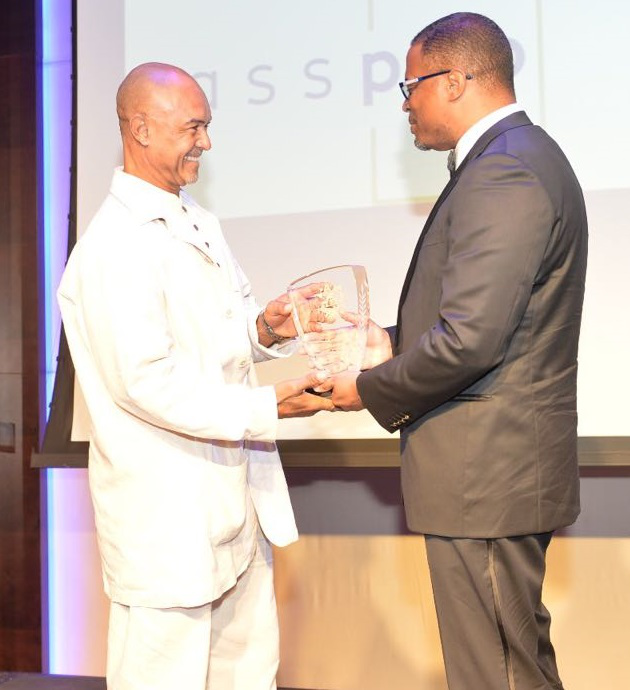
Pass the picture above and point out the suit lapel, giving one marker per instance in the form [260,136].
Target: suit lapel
[518,119]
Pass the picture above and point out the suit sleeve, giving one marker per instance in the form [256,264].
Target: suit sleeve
[498,224]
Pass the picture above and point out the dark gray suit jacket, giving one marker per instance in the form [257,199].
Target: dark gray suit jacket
[483,381]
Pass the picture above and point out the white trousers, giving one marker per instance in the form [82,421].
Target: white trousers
[229,644]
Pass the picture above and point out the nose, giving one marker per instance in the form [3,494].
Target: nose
[203,142]
[405,105]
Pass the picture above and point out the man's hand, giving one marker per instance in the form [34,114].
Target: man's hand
[378,346]
[345,395]
[278,316]
[294,402]
[304,405]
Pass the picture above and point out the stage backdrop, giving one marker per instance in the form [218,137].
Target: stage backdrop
[313,164]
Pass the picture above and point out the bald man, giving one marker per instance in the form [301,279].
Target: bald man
[186,482]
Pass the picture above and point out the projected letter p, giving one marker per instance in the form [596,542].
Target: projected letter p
[380,72]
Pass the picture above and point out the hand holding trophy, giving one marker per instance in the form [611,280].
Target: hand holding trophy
[331,313]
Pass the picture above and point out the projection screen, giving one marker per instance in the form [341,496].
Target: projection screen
[313,165]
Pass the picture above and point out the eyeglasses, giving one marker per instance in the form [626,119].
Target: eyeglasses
[404,85]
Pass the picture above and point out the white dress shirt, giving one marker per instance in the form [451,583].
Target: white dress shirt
[161,326]
[470,137]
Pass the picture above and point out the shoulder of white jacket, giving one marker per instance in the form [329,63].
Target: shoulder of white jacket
[114,229]
[111,213]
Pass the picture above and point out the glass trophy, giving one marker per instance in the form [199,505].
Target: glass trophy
[331,312]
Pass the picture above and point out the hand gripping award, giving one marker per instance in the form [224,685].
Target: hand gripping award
[337,300]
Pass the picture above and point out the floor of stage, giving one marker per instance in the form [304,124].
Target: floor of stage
[36,681]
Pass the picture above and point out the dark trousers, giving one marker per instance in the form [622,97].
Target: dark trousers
[493,625]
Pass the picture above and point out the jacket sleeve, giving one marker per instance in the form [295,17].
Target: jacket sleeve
[116,317]
[498,224]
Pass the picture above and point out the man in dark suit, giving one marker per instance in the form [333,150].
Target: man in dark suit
[482,381]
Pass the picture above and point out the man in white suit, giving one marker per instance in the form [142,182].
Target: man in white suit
[186,482]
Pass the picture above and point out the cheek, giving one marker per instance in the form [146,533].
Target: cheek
[184,151]
[415,112]
[425,114]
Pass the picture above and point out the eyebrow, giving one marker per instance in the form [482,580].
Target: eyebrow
[198,122]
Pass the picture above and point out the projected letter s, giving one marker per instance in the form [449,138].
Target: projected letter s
[316,77]
[262,84]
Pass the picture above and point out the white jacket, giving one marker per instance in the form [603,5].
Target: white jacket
[161,327]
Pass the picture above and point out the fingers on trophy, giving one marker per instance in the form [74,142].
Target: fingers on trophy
[331,312]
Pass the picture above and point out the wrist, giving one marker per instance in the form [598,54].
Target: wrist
[265,329]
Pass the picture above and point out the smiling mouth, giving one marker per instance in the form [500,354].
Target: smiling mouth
[192,157]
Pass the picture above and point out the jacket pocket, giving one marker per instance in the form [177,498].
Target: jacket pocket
[473,397]
[227,502]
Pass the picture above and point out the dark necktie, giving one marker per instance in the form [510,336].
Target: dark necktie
[450,162]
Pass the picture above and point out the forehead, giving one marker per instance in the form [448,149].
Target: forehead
[416,63]
[179,102]
[191,103]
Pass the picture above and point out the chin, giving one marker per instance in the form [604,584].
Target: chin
[191,179]
[421,146]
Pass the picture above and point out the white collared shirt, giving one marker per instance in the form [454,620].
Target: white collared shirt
[471,136]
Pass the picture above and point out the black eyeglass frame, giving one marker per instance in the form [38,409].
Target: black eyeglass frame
[404,85]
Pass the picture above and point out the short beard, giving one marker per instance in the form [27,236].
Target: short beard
[420,146]
[192,178]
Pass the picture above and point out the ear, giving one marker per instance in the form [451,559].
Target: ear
[139,129]
[457,83]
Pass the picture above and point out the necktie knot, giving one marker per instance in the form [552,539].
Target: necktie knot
[451,163]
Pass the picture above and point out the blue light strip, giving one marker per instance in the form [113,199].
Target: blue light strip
[49,627]
[56,126]
[56,84]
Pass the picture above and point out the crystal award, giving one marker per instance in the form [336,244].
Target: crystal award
[331,312]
